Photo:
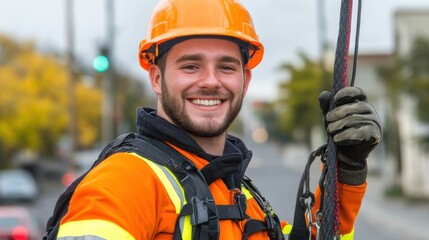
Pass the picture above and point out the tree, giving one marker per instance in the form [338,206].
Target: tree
[34,100]
[297,105]
[31,100]
[418,77]
[126,104]
[392,77]
[407,75]
[88,106]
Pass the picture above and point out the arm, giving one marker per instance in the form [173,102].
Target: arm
[350,199]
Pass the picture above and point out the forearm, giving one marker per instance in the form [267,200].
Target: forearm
[350,199]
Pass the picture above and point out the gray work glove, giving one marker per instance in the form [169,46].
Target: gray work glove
[355,129]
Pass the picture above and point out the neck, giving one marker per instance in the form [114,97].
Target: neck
[212,145]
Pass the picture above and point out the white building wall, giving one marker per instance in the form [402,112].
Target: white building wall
[410,25]
[413,179]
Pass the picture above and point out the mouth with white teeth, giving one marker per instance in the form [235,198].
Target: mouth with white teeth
[207,102]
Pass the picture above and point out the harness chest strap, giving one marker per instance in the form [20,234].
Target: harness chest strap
[203,211]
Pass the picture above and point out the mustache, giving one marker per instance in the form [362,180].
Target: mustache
[209,93]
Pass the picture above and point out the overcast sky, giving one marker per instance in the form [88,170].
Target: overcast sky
[284,26]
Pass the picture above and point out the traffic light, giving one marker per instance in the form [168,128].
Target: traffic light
[101,61]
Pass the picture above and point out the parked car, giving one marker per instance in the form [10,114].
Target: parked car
[17,185]
[17,223]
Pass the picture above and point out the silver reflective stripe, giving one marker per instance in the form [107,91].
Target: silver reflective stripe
[171,184]
[172,179]
[86,237]
[179,191]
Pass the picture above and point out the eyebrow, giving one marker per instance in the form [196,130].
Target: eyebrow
[230,59]
[199,57]
[189,57]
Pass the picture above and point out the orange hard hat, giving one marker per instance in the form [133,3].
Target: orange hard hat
[175,19]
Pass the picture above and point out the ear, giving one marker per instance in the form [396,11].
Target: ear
[155,77]
[247,77]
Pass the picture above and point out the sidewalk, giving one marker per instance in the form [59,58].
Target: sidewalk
[395,214]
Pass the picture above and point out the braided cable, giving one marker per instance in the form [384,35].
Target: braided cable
[330,208]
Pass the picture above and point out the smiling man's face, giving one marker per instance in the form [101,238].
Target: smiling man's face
[203,85]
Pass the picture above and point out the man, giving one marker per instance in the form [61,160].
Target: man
[199,56]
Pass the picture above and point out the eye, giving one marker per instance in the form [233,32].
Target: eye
[189,67]
[227,68]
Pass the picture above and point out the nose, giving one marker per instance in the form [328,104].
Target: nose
[209,79]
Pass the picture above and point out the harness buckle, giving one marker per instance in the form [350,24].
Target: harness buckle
[203,211]
[241,202]
[269,220]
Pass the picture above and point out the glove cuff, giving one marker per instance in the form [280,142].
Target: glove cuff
[352,177]
[349,163]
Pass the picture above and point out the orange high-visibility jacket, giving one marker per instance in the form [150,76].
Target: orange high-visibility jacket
[130,197]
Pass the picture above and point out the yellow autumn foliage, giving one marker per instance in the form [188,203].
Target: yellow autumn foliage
[34,101]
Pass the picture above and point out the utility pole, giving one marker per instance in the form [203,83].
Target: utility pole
[108,103]
[323,44]
[72,123]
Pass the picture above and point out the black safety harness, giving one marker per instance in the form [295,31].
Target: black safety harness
[205,213]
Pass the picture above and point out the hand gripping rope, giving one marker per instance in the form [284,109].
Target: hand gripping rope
[327,220]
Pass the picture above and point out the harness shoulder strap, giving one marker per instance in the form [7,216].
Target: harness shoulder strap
[271,223]
[200,202]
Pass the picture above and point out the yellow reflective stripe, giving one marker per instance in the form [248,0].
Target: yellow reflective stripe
[99,228]
[287,229]
[175,192]
[173,188]
[187,228]
[246,192]
[348,236]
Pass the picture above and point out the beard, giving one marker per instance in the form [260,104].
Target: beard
[176,110]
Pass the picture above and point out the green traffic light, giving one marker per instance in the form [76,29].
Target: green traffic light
[101,63]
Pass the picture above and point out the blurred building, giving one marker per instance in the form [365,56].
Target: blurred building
[367,78]
[414,159]
[409,26]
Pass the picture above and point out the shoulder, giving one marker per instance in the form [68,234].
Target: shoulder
[123,182]
[122,170]
[115,191]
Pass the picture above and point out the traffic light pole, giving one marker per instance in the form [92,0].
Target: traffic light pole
[72,121]
[108,102]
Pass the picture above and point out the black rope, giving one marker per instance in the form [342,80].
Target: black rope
[330,209]
[355,59]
